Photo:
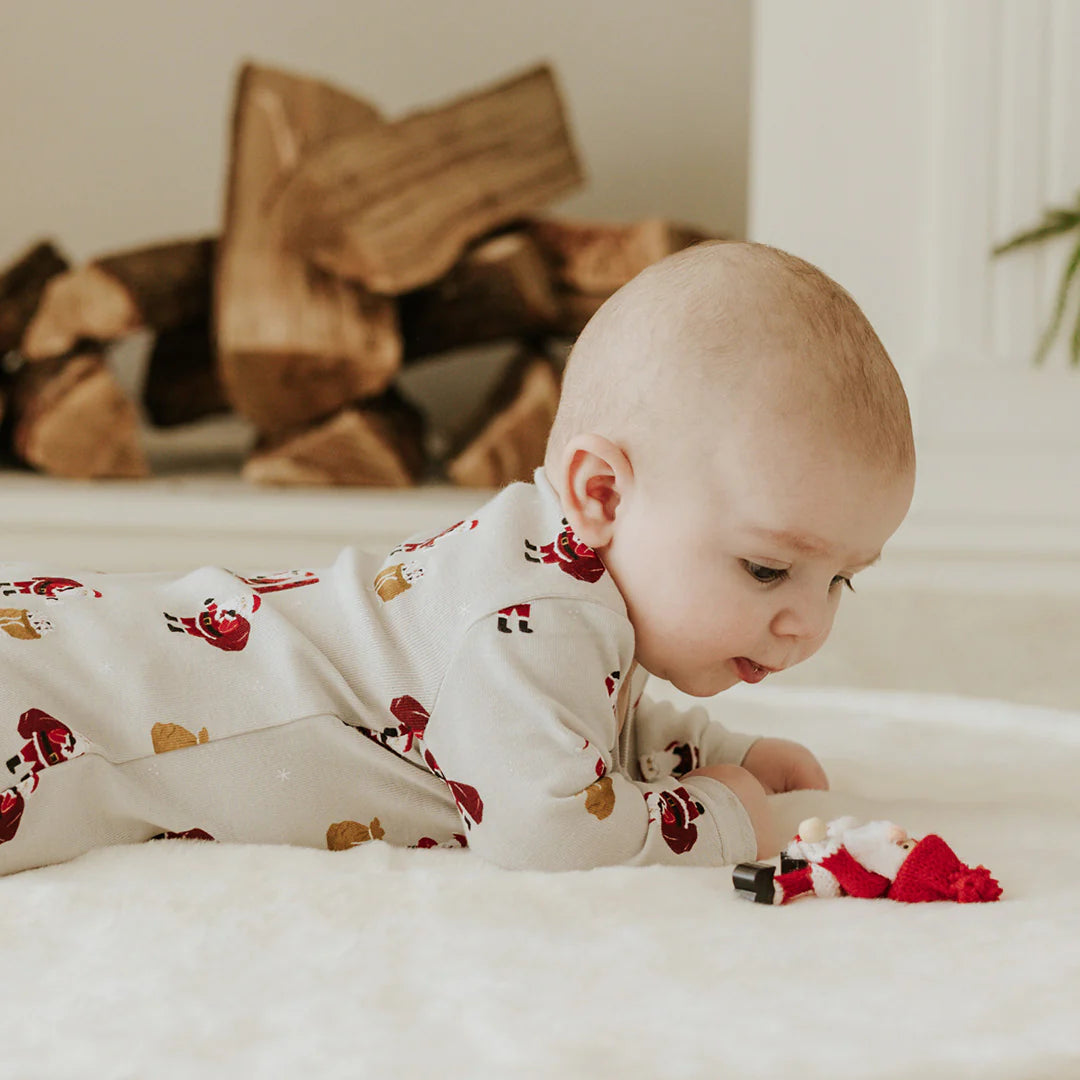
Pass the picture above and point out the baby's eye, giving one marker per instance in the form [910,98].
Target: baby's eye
[765,574]
[840,578]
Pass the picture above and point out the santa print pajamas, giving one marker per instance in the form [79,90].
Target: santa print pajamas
[466,689]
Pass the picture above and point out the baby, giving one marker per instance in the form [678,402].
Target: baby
[732,446]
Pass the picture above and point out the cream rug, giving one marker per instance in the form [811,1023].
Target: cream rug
[183,959]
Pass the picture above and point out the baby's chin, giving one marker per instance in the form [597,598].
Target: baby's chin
[702,684]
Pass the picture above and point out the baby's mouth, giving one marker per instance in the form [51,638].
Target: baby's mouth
[749,671]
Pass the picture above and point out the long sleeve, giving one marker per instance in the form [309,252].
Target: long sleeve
[669,741]
[524,732]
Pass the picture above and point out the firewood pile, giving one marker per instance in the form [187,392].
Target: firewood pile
[352,245]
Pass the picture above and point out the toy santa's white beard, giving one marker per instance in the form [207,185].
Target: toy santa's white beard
[877,846]
[814,851]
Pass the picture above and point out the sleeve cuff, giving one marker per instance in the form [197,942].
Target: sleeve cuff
[735,832]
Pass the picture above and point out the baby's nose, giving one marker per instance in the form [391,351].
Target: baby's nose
[806,619]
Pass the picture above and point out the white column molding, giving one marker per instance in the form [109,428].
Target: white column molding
[894,144]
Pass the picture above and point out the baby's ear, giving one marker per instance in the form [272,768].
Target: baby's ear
[596,476]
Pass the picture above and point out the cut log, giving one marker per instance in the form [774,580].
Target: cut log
[161,287]
[575,310]
[499,289]
[597,258]
[182,382]
[170,283]
[395,205]
[377,444]
[70,418]
[21,288]
[294,343]
[506,441]
[84,304]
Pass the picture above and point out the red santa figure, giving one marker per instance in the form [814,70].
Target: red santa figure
[459,841]
[49,742]
[223,624]
[878,859]
[419,545]
[49,587]
[676,810]
[288,579]
[467,798]
[570,555]
[412,720]
[12,805]
[676,759]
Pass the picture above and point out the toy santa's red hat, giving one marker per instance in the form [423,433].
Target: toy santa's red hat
[932,871]
[878,859]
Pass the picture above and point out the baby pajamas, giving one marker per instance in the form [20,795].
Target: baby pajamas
[475,688]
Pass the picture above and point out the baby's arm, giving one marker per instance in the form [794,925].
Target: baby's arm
[691,741]
[524,732]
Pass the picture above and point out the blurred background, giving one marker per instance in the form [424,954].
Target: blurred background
[894,144]
[120,131]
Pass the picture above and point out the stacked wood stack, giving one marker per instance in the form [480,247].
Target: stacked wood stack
[352,245]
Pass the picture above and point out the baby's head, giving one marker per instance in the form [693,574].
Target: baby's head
[735,443]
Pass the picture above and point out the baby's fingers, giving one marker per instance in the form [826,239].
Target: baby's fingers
[809,775]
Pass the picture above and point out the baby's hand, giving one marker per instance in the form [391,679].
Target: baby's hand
[783,765]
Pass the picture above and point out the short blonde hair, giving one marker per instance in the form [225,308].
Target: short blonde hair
[717,319]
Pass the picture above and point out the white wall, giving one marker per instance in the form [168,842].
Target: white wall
[115,112]
[894,144]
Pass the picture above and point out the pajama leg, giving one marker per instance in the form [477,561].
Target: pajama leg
[75,806]
[315,782]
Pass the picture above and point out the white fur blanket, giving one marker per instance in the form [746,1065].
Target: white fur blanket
[181,959]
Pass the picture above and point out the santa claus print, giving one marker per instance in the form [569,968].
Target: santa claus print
[187,834]
[49,742]
[467,798]
[166,737]
[515,613]
[676,811]
[465,525]
[676,759]
[570,555]
[342,835]
[50,588]
[425,842]
[288,579]
[12,805]
[23,625]
[611,683]
[412,719]
[222,624]
[600,798]
[395,579]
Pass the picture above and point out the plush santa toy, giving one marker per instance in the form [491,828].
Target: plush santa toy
[879,858]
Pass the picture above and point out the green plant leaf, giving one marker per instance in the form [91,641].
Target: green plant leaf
[1050,333]
[1074,344]
[1054,223]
